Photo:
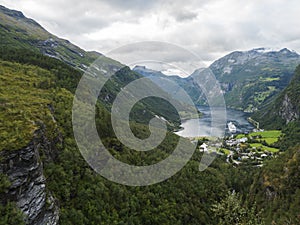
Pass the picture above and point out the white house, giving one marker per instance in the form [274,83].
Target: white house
[203,148]
[264,155]
[242,140]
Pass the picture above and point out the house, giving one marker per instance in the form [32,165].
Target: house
[231,142]
[264,155]
[242,140]
[244,157]
[203,147]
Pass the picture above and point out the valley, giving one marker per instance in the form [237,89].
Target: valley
[45,179]
[248,79]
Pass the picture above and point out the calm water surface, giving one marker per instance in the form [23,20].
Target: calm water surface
[191,128]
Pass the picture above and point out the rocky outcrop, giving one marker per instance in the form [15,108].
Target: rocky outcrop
[250,79]
[227,86]
[288,110]
[28,189]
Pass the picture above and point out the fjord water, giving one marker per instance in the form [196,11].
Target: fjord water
[190,128]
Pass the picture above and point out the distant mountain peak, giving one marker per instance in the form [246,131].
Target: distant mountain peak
[146,72]
[11,12]
[169,72]
[21,32]
[18,16]
[250,78]
[264,50]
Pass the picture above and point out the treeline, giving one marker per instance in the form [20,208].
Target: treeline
[65,76]
[219,195]
[85,197]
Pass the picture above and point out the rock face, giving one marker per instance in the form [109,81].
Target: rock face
[24,169]
[283,109]
[288,110]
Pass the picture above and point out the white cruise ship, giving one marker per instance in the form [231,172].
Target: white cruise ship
[231,127]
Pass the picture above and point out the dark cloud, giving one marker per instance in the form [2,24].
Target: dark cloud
[185,16]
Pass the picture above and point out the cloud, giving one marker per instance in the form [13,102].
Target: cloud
[209,28]
[185,16]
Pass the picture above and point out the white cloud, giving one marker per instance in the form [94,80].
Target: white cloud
[210,28]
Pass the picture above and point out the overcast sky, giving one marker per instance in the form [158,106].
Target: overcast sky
[210,28]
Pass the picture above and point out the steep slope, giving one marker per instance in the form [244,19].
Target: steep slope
[285,108]
[29,132]
[18,31]
[165,82]
[47,178]
[276,186]
[36,129]
[248,79]
[42,172]
[251,78]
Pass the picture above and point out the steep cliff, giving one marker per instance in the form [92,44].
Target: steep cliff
[288,110]
[28,189]
[276,186]
[29,136]
[251,78]
[285,108]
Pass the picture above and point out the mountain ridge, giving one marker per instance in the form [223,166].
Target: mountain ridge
[248,79]
[29,34]
[283,109]
[19,32]
[51,182]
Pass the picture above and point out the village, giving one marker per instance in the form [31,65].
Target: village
[252,148]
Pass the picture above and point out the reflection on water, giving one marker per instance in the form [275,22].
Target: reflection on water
[191,129]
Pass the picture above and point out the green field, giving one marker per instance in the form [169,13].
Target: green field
[269,79]
[267,134]
[240,136]
[226,151]
[264,148]
[270,136]
[269,141]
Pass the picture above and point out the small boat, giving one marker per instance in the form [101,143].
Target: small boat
[231,127]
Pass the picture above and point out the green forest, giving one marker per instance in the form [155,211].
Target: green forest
[38,88]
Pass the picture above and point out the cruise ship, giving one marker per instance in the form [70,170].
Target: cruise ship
[231,127]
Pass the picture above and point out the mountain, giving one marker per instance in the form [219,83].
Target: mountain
[250,78]
[285,108]
[19,32]
[39,158]
[167,83]
[45,180]
[276,187]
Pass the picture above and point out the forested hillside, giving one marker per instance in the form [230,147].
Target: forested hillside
[19,32]
[285,108]
[252,78]
[276,186]
[248,79]
[45,180]
[42,100]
